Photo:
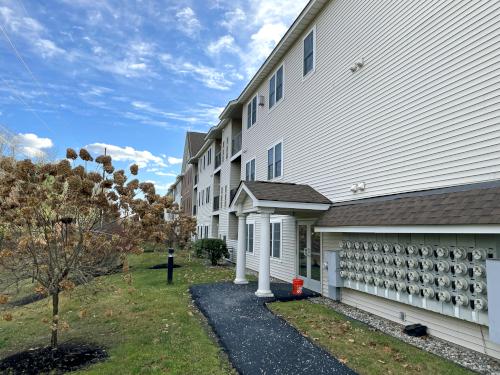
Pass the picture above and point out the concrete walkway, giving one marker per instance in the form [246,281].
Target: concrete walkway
[257,341]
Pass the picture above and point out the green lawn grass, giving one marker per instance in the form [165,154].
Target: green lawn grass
[147,327]
[364,350]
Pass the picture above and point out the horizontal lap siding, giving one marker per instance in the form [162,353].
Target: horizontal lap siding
[422,113]
[283,268]
[457,331]
[205,179]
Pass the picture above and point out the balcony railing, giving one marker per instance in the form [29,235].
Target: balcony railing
[236,144]
[217,160]
[216,203]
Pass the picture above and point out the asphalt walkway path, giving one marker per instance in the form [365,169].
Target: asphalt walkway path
[256,340]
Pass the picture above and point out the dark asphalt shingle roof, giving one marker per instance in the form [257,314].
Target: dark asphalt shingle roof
[195,142]
[285,192]
[470,205]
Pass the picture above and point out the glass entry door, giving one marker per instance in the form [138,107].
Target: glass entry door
[309,256]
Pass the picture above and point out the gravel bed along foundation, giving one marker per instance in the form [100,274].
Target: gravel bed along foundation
[468,358]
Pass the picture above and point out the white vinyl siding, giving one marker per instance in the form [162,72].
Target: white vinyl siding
[422,113]
[282,268]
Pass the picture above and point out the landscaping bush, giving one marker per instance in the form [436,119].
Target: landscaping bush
[213,248]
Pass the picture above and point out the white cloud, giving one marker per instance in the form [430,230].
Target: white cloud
[267,24]
[32,145]
[187,22]
[223,44]
[233,18]
[262,44]
[200,114]
[30,30]
[173,160]
[165,174]
[210,77]
[126,154]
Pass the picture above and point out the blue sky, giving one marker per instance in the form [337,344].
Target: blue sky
[132,76]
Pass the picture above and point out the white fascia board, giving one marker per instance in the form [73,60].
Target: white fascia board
[292,205]
[454,229]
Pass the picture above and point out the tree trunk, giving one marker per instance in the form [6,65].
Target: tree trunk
[55,319]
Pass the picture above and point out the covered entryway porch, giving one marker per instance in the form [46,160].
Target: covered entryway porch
[276,237]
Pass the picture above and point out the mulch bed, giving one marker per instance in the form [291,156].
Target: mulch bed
[163,266]
[66,358]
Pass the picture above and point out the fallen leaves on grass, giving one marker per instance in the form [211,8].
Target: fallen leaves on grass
[3,299]
[7,317]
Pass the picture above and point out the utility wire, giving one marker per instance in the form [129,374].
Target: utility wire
[20,58]
[35,113]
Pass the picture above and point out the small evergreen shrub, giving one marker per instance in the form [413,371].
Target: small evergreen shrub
[212,248]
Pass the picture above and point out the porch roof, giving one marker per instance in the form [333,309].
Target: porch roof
[446,210]
[280,195]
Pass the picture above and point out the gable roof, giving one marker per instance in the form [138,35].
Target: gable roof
[462,205]
[285,192]
[195,141]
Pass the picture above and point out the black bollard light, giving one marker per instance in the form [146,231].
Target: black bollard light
[170,265]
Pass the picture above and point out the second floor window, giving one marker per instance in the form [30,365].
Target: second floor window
[274,164]
[276,87]
[252,112]
[208,195]
[250,170]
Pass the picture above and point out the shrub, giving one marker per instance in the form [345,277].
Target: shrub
[213,248]
[198,248]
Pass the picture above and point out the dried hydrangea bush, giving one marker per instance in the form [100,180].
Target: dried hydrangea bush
[62,224]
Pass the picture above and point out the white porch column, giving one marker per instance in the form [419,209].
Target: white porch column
[264,288]
[241,252]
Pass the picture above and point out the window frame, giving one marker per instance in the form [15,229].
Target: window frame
[313,70]
[272,223]
[247,224]
[275,76]
[273,147]
[254,169]
[250,111]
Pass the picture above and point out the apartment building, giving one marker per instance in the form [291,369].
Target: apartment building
[368,163]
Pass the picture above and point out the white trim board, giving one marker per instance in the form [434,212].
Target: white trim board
[458,229]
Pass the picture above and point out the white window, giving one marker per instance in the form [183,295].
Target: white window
[208,195]
[206,231]
[252,112]
[250,170]
[276,87]
[250,237]
[274,161]
[309,60]
[275,239]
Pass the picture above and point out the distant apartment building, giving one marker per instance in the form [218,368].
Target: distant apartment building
[364,157]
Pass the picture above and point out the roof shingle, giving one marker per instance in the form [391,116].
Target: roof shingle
[285,192]
[475,205]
